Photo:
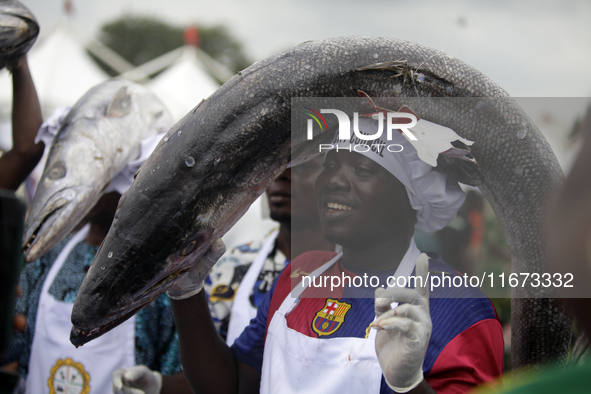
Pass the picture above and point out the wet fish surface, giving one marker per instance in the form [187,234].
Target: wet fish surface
[18,31]
[216,160]
[100,134]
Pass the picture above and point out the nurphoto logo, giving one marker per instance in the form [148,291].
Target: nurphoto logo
[359,141]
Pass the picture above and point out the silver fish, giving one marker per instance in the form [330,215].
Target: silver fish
[216,160]
[18,31]
[98,137]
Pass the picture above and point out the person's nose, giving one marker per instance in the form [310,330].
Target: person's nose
[337,179]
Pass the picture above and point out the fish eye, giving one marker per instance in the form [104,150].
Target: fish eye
[57,171]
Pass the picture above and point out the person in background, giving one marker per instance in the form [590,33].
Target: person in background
[50,284]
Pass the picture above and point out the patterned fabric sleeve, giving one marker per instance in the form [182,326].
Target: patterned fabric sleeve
[156,338]
[156,341]
[31,281]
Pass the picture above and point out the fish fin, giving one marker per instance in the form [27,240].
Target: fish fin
[466,172]
[458,153]
[120,105]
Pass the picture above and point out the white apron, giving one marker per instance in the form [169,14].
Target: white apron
[242,311]
[296,363]
[56,366]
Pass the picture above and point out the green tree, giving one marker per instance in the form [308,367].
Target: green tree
[140,39]
[218,43]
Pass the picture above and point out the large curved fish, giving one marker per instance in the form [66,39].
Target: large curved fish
[18,31]
[216,160]
[99,136]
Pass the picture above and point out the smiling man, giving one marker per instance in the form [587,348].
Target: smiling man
[345,340]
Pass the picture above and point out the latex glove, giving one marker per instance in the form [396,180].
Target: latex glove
[136,380]
[403,332]
[193,282]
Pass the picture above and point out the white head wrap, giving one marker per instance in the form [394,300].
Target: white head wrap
[123,180]
[435,196]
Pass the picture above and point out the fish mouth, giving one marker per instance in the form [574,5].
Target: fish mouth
[47,226]
[79,337]
[93,322]
[32,244]
[31,240]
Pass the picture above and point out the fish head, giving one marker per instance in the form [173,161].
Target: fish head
[62,200]
[98,137]
[115,290]
[69,187]
[18,31]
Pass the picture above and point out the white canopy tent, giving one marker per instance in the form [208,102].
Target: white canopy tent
[184,84]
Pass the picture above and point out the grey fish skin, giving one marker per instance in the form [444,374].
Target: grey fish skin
[216,160]
[18,31]
[100,134]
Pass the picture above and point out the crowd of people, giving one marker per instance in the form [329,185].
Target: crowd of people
[254,324]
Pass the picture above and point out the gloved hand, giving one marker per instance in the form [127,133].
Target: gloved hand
[193,282]
[403,332]
[136,380]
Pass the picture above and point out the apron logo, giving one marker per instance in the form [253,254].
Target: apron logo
[330,317]
[68,376]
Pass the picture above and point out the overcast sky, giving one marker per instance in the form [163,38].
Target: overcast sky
[530,48]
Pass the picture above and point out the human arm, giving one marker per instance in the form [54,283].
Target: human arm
[208,363]
[19,161]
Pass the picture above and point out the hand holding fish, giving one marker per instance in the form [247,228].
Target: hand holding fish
[404,331]
[136,380]
[193,282]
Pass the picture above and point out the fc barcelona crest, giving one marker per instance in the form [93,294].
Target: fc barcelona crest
[330,317]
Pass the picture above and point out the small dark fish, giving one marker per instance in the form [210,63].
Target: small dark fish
[216,160]
[18,31]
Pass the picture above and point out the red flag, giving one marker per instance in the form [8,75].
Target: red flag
[191,36]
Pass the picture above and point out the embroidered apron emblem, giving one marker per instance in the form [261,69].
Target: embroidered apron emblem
[330,318]
[68,376]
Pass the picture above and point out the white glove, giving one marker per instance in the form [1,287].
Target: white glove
[136,380]
[193,282]
[403,332]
